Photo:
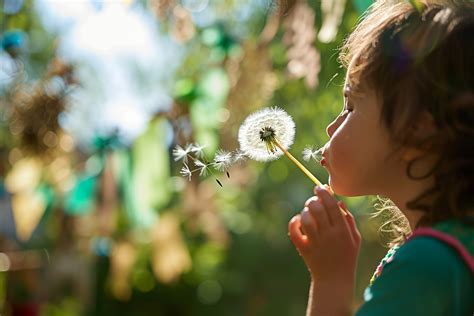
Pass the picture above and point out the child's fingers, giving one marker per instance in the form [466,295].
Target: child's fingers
[316,209]
[351,222]
[330,204]
[296,236]
[309,224]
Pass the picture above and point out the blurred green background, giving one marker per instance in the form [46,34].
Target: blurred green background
[95,218]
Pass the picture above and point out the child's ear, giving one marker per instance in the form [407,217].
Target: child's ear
[424,127]
[411,153]
[421,134]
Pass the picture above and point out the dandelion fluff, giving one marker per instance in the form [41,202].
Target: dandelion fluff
[222,160]
[238,156]
[275,120]
[310,153]
[179,153]
[197,149]
[202,167]
[186,172]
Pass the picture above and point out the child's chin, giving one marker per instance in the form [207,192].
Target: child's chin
[340,189]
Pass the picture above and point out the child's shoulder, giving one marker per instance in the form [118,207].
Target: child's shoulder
[461,230]
[447,243]
[435,251]
[428,267]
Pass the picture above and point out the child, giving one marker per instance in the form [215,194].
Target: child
[407,133]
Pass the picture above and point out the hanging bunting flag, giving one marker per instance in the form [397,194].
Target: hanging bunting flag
[81,199]
[362,5]
[146,175]
[122,259]
[332,11]
[300,33]
[171,257]
[28,209]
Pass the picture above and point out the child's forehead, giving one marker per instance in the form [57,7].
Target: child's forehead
[352,78]
[353,85]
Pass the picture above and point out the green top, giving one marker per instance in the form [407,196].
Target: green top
[424,276]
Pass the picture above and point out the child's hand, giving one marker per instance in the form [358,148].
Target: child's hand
[327,239]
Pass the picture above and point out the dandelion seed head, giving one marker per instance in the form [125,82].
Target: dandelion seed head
[223,160]
[257,130]
[267,134]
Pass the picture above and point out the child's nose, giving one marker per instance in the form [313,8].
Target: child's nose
[331,127]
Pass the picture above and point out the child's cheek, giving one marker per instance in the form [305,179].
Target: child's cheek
[339,163]
[340,150]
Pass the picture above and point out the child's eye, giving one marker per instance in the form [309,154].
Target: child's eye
[347,107]
[345,112]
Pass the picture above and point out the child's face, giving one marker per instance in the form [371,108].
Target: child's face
[359,155]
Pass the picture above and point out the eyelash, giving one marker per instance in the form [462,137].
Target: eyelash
[347,107]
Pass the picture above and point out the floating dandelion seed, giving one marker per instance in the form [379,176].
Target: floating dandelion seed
[238,156]
[186,172]
[223,160]
[194,152]
[179,153]
[197,149]
[267,134]
[202,167]
[310,153]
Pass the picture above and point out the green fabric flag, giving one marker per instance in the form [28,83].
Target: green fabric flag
[81,198]
[147,180]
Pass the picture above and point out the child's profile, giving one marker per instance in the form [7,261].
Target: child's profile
[406,132]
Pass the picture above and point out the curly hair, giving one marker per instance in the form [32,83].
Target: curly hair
[421,60]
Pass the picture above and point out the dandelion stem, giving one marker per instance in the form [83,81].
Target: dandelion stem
[297,163]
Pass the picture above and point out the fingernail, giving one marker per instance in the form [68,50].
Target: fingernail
[304,217]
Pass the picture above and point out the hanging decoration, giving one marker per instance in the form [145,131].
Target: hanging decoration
[34,110]
[122,260]
[170,256]
[28,204]
[332,11]
[183,28]
[162,8]
[300,34]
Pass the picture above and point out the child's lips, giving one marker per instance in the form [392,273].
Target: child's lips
[323,161]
